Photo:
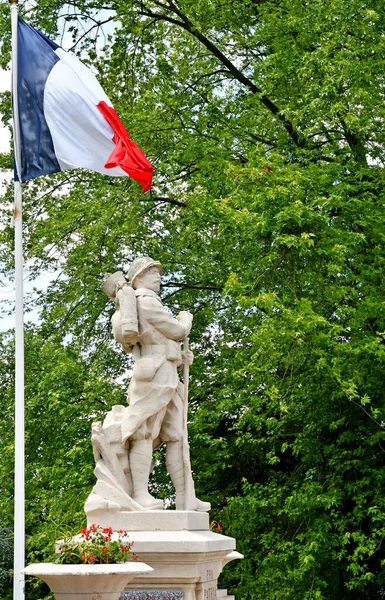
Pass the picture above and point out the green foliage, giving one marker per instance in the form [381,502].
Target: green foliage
[264,121]
[6,561]
[64,394]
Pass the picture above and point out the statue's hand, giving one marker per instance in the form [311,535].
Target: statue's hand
[184,314]
[187,357]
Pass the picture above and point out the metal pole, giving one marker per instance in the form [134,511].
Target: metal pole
[19,501]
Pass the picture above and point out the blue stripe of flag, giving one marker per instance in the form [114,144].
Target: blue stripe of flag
[36,58]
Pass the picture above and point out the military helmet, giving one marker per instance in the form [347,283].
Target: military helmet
[141,264]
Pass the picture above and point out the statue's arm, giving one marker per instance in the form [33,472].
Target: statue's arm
[156,314]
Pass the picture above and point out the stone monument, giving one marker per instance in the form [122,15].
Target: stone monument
[186,556]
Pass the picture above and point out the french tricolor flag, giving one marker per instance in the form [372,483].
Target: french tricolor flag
[66,120]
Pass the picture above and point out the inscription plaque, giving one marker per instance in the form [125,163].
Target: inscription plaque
[210,593]
[152,595]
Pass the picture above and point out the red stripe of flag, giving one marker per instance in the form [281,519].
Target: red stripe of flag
[126,155]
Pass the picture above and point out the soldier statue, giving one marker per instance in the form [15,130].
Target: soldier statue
[157,410]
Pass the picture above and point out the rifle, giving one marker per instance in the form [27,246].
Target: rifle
[190,500]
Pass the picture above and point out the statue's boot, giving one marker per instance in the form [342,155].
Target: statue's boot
[202,506]
[140,465]
[176,470]
[179,472]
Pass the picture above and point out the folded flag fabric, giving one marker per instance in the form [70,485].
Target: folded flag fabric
[66,119]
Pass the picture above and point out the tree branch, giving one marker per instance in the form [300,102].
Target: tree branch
[193,286]
[355,144]
[217,72]
[97,24]
[188,26]
[259,138]
[169,201]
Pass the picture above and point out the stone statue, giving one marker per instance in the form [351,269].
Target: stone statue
[157,410]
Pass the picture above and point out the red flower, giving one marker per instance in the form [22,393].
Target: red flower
[91,558]
[104,549]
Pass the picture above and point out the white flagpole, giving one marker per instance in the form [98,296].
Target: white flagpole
[19,502]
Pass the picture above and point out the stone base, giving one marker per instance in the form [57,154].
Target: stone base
[151,520]
[186,563]
[222,595]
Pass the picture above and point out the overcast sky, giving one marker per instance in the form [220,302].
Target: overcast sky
[7,288]
[6,291]
[5,84]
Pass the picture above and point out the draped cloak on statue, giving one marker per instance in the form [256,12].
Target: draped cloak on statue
[155,394]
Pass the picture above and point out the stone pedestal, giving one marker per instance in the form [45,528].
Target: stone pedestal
[150,520]
[186,556]
[86,582]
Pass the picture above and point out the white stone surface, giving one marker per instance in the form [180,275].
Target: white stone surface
[57,570]
[154,520]
[88,582]
[181,542]
[190,561]
[222,594]
[232,556]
